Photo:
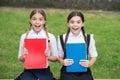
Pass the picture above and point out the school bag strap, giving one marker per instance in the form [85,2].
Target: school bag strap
[62,42]
[88,42]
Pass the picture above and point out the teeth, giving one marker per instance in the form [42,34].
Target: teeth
[75,28]
[37,26]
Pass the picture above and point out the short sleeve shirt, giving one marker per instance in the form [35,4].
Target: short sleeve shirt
[78,39]
[41,34]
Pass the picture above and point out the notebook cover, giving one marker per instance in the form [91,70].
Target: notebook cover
[35,58]
[77,52]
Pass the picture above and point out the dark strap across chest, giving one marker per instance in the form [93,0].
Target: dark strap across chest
[63,44]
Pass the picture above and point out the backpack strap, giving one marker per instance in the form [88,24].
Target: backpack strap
[62,42]
[88,42]
[88,39]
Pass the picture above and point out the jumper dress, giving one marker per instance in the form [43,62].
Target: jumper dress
[36,74]
[74,75]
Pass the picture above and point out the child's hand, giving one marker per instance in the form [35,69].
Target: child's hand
[25,52]
[68,62]
[85,63]
[47,52]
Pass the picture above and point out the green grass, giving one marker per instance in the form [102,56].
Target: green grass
[105,26]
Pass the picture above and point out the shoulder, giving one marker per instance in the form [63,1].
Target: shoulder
[91,35]
[23,35]
[63,35]
[92,38]
[51,36]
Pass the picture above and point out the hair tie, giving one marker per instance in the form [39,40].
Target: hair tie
[48,41]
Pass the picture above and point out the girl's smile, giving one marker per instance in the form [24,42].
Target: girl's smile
[37,26]
[75,29]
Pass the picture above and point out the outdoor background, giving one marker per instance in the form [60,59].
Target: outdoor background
[103,23]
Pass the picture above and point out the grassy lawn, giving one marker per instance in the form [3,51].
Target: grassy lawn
[104,25]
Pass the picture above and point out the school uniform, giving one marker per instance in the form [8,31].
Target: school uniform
[92,53]
[41,74]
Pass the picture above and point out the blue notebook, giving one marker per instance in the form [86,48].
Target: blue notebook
[77,52]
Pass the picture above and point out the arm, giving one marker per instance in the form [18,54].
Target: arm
[50,57]
[62,61]
[92,61]
[53,58]
[21,58]
[52,54]
[22,51]
[65,62]
[92,53]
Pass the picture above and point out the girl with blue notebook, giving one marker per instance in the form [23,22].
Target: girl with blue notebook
[76,34]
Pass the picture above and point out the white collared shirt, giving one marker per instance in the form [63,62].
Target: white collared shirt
[41,34]
[78,39]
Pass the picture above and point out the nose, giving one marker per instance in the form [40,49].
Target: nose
[37,21]
[75,24]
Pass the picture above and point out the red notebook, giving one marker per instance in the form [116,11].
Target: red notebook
[35,58]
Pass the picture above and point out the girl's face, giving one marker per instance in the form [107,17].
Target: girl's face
[75,24]
[37,21]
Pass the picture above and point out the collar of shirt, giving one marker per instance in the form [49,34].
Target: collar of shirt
[75,39]
[79,35]
[41,34]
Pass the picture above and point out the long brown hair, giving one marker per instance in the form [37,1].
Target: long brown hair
[72,14]
[45,27]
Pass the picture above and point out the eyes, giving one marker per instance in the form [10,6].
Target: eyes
[40,19]
[73,22]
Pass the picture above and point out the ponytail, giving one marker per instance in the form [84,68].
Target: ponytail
[28,31]
[85,37]
[46,31]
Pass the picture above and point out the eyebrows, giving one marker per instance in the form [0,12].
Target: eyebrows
[75,20]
